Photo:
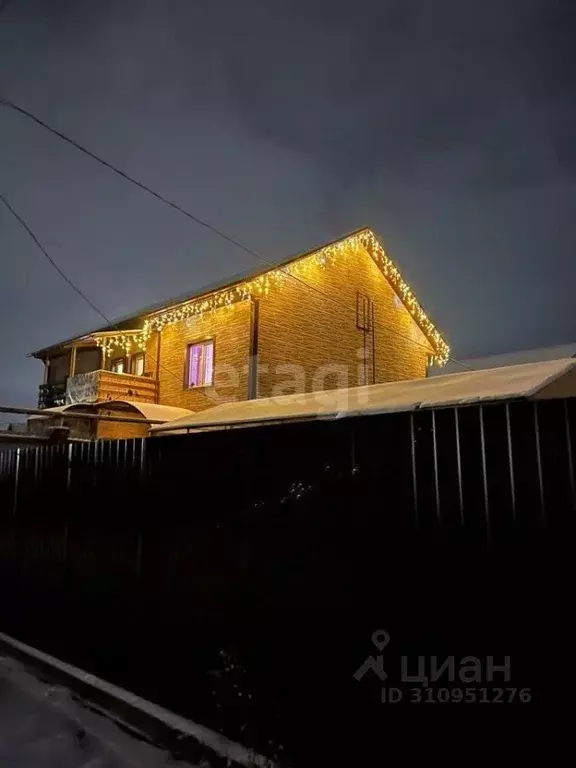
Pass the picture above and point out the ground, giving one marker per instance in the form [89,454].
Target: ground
[43,726]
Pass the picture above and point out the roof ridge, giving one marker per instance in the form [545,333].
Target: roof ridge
[203,290]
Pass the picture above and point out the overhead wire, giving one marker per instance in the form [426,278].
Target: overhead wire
[78,290]
[201,222]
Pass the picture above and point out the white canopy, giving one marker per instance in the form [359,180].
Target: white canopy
[543,380]
[154,411]
[148,410]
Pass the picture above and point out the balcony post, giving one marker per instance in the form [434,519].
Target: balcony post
[46,369]
[72,362]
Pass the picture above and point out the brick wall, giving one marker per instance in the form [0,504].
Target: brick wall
[230,329]
[308,340]
[299,325]
[111,430]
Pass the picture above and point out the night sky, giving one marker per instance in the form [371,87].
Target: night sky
[447,126]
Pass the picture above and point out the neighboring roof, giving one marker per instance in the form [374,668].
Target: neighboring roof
[56,410]
[389,270]
[147,410]
[509,358]
[533,380]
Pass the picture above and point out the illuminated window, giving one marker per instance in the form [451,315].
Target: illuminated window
[137,364]
[118,365]
[200,365]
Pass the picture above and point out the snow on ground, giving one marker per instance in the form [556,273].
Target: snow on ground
[42,726]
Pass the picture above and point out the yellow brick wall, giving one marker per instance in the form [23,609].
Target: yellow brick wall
[301,331]
[230,329]
[112,430]
[303,326]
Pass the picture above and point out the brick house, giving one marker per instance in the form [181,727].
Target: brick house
[339,315]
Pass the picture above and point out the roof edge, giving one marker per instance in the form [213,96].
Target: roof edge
[389,271]
[552,377]
[203,291]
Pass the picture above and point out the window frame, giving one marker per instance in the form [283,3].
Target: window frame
[189,346]
[133,359]
[115,362]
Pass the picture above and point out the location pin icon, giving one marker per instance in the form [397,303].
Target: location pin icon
[380,638]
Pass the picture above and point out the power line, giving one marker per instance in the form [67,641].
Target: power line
[81,293]
[127,177]
[179,208]
[152,192]
[51,260]
[175,206]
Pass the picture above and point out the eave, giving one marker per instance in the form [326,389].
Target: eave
[249,284]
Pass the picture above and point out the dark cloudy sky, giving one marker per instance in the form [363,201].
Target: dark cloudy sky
[448,126]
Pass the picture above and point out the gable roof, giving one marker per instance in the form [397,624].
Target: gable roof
[364,237]
[532,381]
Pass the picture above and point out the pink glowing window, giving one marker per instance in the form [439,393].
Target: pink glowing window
[200,368]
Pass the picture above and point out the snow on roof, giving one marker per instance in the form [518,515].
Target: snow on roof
[154,411]
[150,410]
[519,381]
[54,411]
[508,358]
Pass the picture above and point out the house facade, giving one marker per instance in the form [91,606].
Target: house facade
[338,316]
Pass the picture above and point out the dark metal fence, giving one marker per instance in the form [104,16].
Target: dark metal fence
[272,537]
[477,466]
[197,512]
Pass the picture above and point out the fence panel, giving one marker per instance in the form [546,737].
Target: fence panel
[173,512]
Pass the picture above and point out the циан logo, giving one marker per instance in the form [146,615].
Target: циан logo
[419,678]
[380,638]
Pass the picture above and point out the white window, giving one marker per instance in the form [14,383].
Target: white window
[200,364]
[137,364]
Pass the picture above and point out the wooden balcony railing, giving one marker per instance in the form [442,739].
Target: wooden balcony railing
[125,386]
[98,386]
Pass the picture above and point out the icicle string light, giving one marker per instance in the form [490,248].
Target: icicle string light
[127,341]
[369,240]
[272,280]
[260,286]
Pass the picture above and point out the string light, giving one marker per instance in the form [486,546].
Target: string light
[124,340]
[263,284]
[369,240]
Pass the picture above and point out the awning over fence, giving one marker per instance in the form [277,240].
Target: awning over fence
[147,410]
[543,380]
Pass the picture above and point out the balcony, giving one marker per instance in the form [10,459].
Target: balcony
[98,386]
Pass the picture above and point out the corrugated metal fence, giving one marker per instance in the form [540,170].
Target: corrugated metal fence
[139,559]
[481,466]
